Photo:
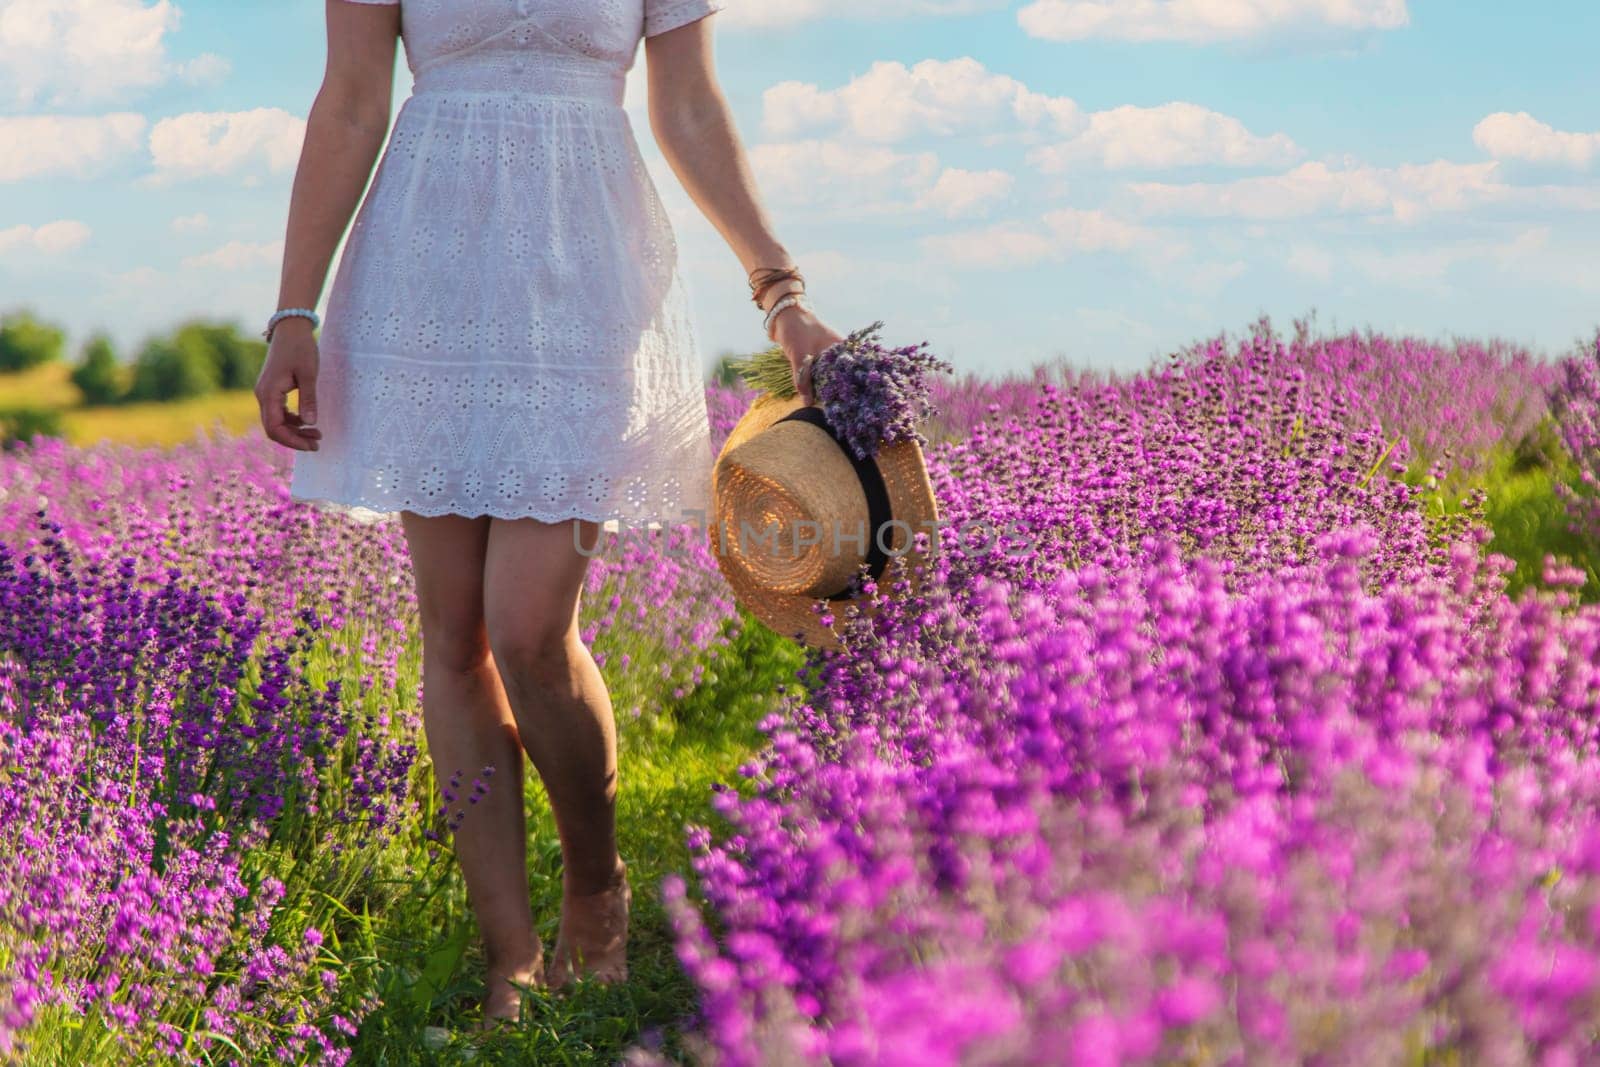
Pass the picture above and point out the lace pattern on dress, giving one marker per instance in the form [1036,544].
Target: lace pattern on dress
[507,332]
[493,440]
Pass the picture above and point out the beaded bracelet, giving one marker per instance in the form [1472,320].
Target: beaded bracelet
[289,313]
[799,291]
[788,300]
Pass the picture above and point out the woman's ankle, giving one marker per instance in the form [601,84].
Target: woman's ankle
[515,964]
[617,877]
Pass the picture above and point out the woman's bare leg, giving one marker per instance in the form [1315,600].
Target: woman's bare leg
[468,723]
[534,575]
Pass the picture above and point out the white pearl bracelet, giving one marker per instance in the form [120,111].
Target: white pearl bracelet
[788,300]
[289,313]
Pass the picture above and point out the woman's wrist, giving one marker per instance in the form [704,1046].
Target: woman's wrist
[294,323]
[793,318]
[775,289]
[778,292]
[765,256]
[790,304]
[289,314]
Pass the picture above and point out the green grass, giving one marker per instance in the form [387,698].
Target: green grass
[146,423]
[419,950]
[48,385]
[157,422]
[1528,517]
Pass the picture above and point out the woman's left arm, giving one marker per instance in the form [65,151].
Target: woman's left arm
[694,127]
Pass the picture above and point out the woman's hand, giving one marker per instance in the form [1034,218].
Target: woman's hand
[292,361]
[800,334]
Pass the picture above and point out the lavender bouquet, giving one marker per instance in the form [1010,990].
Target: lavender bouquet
[870,395]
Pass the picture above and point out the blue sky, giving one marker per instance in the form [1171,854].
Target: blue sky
[1103,180]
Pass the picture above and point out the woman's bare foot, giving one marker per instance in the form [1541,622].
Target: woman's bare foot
[593,937]
[502,1000]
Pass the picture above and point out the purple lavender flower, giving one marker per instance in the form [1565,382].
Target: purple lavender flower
[1234,753]
[872,395]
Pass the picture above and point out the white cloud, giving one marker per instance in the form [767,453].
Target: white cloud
[1094,231]
[768,14]
[1523,137]
[1426,269]
[145,300]
[1171,135]
[963,193]
[1005,245]
[1406,192]
[65,51]
[1208,280]
[1523,250]
[1059,234]
[53,237]
[892,102]
[195,223]
[820,171]
[203,143]
[1311,261]
[237,255]
[33,146]
[1202,21]
[206,69]
[862,180]
[141,278]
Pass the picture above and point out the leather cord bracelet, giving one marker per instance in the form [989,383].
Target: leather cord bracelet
[770,276]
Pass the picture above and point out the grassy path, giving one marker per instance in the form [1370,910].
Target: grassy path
[426,962]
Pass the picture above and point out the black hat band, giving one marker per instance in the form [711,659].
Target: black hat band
[879,513]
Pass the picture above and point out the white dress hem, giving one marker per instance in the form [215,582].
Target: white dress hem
[371,510]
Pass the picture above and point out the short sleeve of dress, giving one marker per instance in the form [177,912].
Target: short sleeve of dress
[663,15]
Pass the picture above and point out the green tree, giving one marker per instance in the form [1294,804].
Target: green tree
[166,370]
[21,424]
[99,375]
[723,372]
[238,359]
[28,341]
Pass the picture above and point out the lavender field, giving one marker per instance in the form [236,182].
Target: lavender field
[1269,735]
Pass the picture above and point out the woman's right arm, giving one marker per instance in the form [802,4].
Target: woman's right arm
[344,134]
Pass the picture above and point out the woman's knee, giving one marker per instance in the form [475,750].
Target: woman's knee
[533,582]
[458,644]
[537,653]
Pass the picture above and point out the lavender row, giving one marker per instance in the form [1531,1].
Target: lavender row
[1244,756]
[211,747]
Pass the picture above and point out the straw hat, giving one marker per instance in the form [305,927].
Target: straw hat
[795,515]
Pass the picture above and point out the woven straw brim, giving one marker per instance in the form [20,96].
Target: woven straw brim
[911,501]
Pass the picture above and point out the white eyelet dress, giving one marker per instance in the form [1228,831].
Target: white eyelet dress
[507,332]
